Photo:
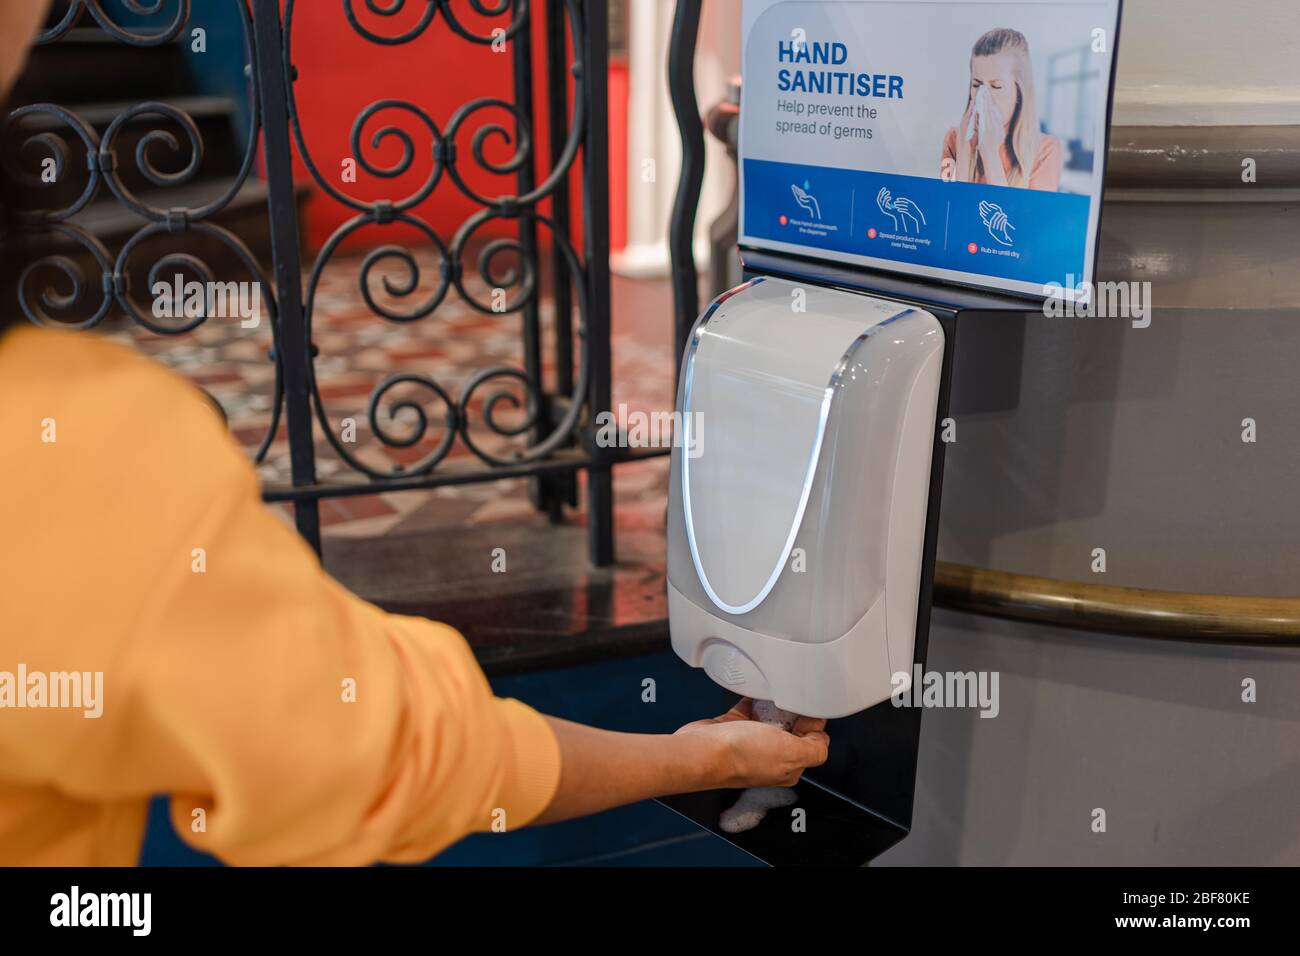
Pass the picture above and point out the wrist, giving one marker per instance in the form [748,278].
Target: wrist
[709,761]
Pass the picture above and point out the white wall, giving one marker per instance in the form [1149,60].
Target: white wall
[652,130]
[1209,63]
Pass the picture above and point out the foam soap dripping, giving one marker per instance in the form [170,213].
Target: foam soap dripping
[754,803]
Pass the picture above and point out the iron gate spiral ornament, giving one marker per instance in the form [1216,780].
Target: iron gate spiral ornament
[72,286]
[518,283]
[392,8]
[60,151]
[78,8]
[38,306]
[82,282]
[403,255]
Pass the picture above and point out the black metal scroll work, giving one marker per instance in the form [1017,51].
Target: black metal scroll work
[686,109]
[551,426]
[71,249]
[80,282]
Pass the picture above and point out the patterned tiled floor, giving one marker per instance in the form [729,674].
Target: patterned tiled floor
[358,349]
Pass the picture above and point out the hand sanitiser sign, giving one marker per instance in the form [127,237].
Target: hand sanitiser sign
[958,140]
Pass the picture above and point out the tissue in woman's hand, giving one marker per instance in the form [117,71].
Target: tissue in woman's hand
[978,107]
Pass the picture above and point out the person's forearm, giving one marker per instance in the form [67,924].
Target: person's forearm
[600,769]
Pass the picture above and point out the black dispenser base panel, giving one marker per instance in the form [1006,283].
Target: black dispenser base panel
[837,833]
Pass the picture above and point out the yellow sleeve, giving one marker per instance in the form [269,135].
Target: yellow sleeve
[313,728]
[291,722]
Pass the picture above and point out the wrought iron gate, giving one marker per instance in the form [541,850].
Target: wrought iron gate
[555,428]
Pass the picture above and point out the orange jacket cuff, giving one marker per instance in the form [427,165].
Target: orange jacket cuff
[534,774]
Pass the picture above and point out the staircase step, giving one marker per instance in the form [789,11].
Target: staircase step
[61,71]
[101,114]
[107,218]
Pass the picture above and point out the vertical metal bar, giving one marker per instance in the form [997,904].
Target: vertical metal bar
[557,72]
[292,345]
[521,49]
[681,228]
[595,204]
[564,487]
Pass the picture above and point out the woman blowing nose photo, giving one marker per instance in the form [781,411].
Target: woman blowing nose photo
[999,141]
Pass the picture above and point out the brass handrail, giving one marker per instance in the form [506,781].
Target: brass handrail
[1172,615]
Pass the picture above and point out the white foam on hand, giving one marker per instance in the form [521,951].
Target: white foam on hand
[754,803]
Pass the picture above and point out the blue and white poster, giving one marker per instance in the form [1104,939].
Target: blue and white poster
[960,140]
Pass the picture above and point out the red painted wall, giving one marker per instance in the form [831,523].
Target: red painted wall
[619,83]
[340,73]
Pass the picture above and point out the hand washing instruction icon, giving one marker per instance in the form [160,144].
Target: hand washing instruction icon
[900,211]
[995,219]
[806,200]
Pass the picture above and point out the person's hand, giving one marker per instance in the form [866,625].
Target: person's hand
[992,131]
[966,130]
[967,138]
[753,754]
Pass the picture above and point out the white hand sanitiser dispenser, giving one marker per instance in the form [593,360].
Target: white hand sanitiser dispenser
[798,493]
